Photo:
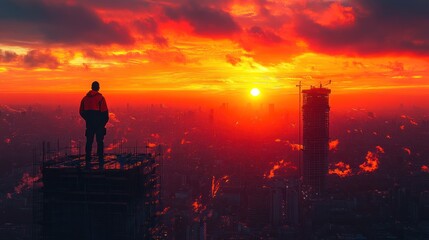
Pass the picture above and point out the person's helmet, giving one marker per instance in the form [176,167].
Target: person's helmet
[95,86]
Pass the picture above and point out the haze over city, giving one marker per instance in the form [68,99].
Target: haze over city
[208,92]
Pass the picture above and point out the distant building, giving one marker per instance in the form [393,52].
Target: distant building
[118,202]
[292,202]
[315,139]
[259,206]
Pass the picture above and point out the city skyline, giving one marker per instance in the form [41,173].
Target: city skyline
[227,119]
[234,174]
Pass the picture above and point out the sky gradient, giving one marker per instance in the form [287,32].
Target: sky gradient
[213,45]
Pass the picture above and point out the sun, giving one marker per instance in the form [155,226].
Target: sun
[255,92]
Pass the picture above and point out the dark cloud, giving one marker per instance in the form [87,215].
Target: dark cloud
[37,58]
[132,5]
[264,35]
[379,27]
[160,41]
[205,21]
[32,59]
[149,28]
[59,23]
[275,21]
[8,56]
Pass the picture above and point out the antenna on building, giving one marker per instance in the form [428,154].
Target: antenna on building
[299,125]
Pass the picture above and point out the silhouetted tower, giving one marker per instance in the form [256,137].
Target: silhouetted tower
[315,139]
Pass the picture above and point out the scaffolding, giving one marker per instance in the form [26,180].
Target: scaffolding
[119,201]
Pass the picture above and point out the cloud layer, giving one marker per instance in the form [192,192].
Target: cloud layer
[359,27]
[34,21]
[217,44]
[369,27]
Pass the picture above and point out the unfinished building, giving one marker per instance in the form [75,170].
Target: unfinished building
[117,202]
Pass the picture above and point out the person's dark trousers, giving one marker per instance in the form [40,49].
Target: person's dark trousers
[99,136]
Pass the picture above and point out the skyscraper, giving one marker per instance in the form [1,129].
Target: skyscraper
[315,139]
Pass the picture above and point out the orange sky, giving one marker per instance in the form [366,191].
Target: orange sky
[213,45]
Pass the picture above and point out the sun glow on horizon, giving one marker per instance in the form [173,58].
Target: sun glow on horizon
[255,92]
[142,48]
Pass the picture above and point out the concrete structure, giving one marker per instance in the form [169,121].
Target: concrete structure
[117,202]
[315,140]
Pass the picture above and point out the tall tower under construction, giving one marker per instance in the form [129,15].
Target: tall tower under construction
[315,139]
[118,202]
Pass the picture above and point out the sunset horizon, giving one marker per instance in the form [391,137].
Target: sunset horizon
[211,46]
[214,119]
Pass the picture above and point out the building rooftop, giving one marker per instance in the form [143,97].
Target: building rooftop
[118,202]
[111,161]
[317,91]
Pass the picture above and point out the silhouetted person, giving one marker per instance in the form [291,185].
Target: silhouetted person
[93,109]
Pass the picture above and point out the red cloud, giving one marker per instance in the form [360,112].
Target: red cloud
[273,32]
[372,27]
[36,58]
[7,56]
[264,36]
[205,21]
[233,60]
[334,16]
[149,28]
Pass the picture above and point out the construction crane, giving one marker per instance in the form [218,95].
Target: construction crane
[326,84]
